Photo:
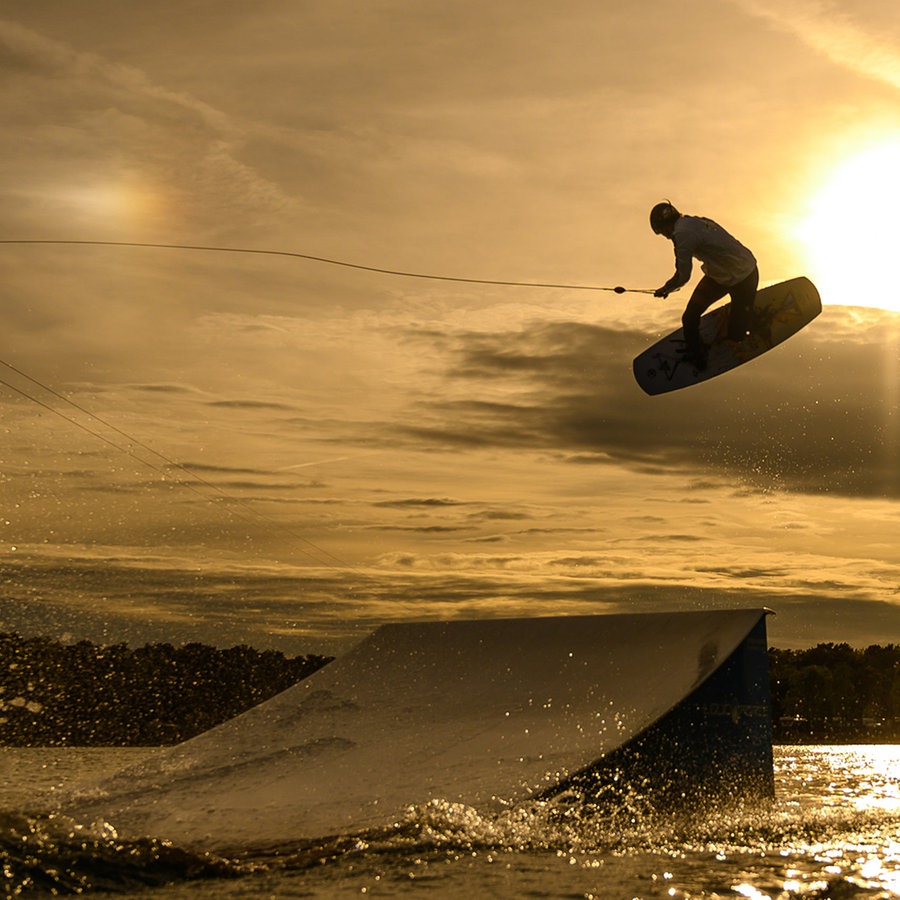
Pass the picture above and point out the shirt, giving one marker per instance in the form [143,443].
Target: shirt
[724,258]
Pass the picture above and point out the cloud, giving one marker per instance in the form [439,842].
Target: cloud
[816,415]
[252,404]
[105,149]
[420,503]
[496,455]
[136,598]
[856,37]
[32,52]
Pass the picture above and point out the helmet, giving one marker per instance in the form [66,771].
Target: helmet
[663,216]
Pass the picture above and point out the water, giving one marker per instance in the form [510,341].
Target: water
[833,832]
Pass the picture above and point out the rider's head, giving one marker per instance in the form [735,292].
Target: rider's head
[663,217]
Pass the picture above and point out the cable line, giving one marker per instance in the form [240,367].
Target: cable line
[241,505]
[172,464]
[339,262]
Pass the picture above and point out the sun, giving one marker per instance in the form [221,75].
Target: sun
[852,230]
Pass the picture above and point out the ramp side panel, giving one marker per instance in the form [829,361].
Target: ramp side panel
[714,746]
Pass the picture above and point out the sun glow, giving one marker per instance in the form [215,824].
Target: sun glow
[113,201]
[852,230]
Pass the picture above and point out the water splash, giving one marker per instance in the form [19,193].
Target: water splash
[56,855]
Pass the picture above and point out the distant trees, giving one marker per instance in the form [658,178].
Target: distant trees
[89,694]
[833,692]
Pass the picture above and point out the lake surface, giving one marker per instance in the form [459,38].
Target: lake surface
[833,832]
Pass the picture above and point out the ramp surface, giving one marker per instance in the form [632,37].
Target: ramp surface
[481,712]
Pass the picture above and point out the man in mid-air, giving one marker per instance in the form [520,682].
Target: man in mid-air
[728,268]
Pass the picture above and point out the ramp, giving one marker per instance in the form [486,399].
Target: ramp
[485,713]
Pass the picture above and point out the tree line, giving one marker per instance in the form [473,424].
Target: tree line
[86,694]
[835,693]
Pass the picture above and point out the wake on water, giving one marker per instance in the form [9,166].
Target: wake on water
[51,854]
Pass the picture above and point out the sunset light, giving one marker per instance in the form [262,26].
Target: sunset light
[426,461]
[850,230]
[122,202]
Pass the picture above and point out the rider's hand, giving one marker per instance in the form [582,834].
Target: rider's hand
[662,293]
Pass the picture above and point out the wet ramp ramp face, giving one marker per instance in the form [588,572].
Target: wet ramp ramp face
[481,712]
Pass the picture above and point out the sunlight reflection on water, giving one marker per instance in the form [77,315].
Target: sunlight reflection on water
[857,776]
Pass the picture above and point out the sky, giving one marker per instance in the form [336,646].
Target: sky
[225,447]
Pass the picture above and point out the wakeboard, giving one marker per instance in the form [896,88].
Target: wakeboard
[779,311]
